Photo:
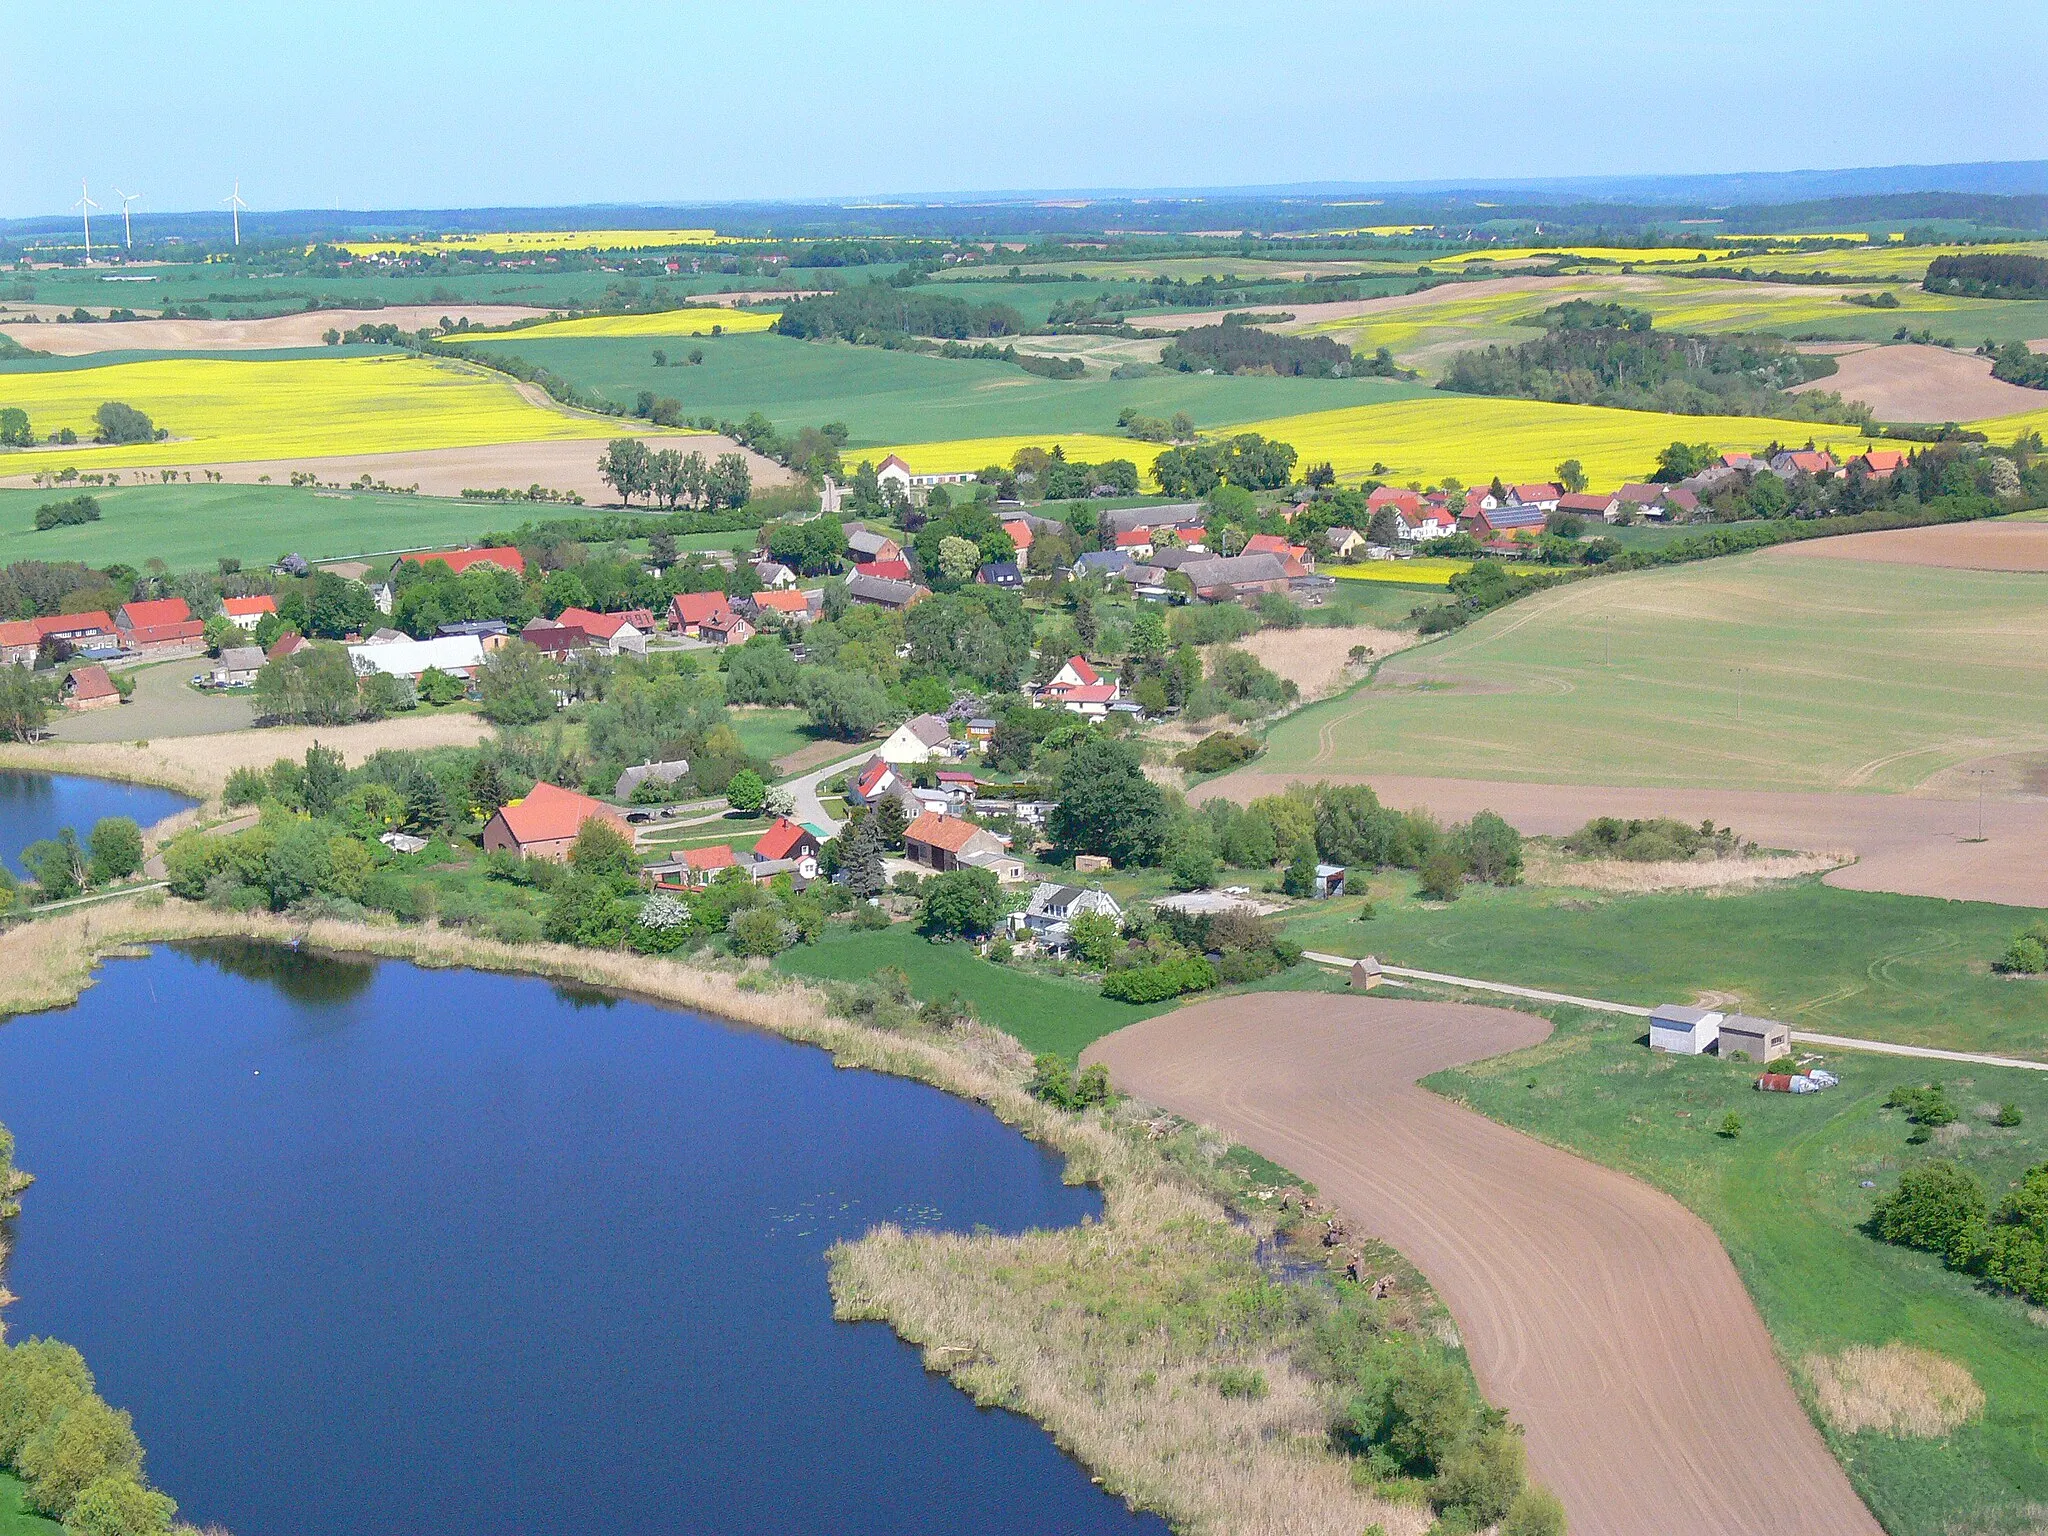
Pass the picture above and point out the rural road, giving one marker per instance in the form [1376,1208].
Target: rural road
[1915,845]
[1604,1316]
[1842,1042]
[809,807]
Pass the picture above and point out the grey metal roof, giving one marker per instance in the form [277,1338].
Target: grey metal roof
[242,658]
[1677,1013]
[1234,570]
[1748,1024]
[880,589]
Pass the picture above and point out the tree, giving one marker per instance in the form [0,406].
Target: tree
[81,1444]
[603,853]
[119,1506]
[745,792]
[1535,1512]
[626,467]
[15,431]
[1681,460]
[890,820]
[1571,474]
[847,705]
[438,688]
[1300,877]
[861,858]
[958,558]
[1443,875]
[661,549]
[517,684]
[315,685]
[24,704]
[118,423]
[1492,849]
[962,902]
[1106,804]
[760,932]
[1193,865]
[116,844]
[1094,937]
[58,865]
[1938,1207]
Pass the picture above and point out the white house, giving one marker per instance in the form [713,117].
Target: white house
[1427,524]
[457,655]
[893,471]
[923,739]
[1684,1031]
[1050,914]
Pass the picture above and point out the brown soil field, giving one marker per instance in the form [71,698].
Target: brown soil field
[1604,1316]
[200,765]
[1317,660]
[562,465]
[1992,546]
[1920,383]
[1912,844]
[299,330]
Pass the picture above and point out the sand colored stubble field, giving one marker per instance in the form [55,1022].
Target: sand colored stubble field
[1922,383]
[1601,1314]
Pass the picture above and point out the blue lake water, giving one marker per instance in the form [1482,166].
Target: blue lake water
[367,1246]
[34,806]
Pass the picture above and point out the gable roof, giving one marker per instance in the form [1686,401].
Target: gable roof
[865,541]
[1231,570]
[460,560]
[717,856]
[1584,501]
[787,600]
[1266,544]
[288,642]
[892,459]
[781,840]
[604,625]
[929,729]
[952,833]
[550,813]
[90,683]
[877,589]
[93,623]
[884,570]
[1019,532]
[241,658]
[696,607]
[1540,490]
[1080,668]
[243,607]
[1134,538]
[1513,517]
[878,769]
[154,613]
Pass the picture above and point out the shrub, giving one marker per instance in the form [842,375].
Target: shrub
[119,1506]
[869,917]
[2008,1114]
[245,786]
[2016,1256]
[1480,1479]
[1443,875]
[1535,1512]
[960,903]
[1938,1208]
[116,844]
[2025,956]
[1239,1381]
[1156,983]
[58,514]
[1094,937]
[1218,752]
[1055,1083]
[760,932]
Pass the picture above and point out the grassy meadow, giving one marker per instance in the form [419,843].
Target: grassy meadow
[1758,672]
[16,1521]
[224,409]
[190,526]
[1785,1196]
[1911,969]
[887,397]
[1047,1013]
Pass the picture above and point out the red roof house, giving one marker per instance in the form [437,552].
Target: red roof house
[285,644]
[544,824]
[1393,496]
[247,612]
[90,688]
[945,842]
[788,602]
[887,570]
[786,840]
[1020,533]
[1879,463]
[163,621]
[687,611]
[460,560]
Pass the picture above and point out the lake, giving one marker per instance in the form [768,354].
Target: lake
[368,1246]
[34,806]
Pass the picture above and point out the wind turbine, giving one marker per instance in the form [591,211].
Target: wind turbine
[85,206]
[127,233]
[235,206]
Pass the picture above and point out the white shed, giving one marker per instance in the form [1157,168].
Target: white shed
[1686,1031]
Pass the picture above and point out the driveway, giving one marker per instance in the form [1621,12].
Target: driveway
[810,808]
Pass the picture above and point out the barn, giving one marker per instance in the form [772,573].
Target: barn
[1759,1040]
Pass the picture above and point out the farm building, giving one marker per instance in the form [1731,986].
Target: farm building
[21,640]
[613,632]
[644,773]
[90,688]
[1223,578]
[238,666]
[1683,1031]
[460,560]
[544,824]
[162,623]
[918,740]
[1330,879]
[247,612]
[1365,974]
[458,656]
[948,842]
[1757,1039]
[881,593]
[866,544]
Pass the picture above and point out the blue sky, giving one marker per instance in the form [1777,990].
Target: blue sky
[447,103]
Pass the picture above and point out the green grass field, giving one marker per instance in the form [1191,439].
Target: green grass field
[1047,1013]
[1911,969]
[16,1521]
[190,526]
[773,733]
[897,397]
[1763,671]
[1786,1198]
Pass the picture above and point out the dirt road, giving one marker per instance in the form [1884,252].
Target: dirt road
[1916,845]
[1602,1315]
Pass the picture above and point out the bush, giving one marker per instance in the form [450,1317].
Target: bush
[1245,1382]
[1055,1083]
[1480,1480]
[870,918]
[1219,752]
[1443,875]
[1156,983]
[1535,1512]
[2025,956]
[119,1506]
[1094,938]
[759,932]
[960,903]
[58,514]
[1939,1208]
[2016,1256]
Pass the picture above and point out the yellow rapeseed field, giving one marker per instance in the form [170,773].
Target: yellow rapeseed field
[223,410]
[700,321]
[969,454]
[1422,571]
[501,242]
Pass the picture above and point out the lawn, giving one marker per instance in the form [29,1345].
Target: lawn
[906,397]
[190,526]
[1758,672]
[1912,969]
[773,733]
[1785,1196]
[16,1521]
[226,409]
[1047,1013]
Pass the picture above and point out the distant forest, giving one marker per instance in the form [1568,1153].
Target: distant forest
[1234,347]
[875,312]
[1989,277]
[1605,354]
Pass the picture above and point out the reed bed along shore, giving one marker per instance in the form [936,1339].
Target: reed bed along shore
[1133,1339]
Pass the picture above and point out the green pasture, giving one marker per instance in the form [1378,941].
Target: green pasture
[773,733]
[190,526]
[1910,969]
[1046,1013]
[1766,671]
[1786,1197]
[16,1521]
[909,397]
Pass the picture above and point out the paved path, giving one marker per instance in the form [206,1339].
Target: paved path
[1840,1042]
[809,807]
[1604,1316]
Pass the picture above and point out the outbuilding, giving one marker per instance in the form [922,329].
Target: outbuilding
[1758,1040]
[1365,974]
[544,823]
[1682,1030]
